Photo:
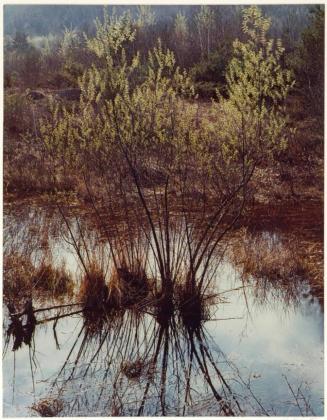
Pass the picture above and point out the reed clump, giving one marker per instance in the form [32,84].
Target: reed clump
[126,286]
[94,294]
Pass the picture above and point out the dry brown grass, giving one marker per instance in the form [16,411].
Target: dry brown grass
[93,290]
[135,370]
[28,174]
[22,278]
[17,275]
[124,288]
[132,283]
[55,280]
[104,300]
[313,257]
[263,257]
[300,251]
[48,407]
[191,306]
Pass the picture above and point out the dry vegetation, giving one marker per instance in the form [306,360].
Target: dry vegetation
[263,257]
[151,185]
[154,165]
[23,279]
[281,259]
[48,407]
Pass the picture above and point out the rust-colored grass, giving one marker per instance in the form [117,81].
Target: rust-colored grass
[23,278]
[55,280]
[261,256]
[48,407]
[93,289]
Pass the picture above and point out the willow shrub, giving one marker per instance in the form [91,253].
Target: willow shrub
[137,118]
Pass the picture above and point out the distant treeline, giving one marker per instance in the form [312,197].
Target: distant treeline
[44,45]
[287,20]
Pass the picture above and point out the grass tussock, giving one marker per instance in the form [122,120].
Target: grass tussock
[22,278]
[138,369]
[261,256]
[55,280]
[164,308]
[125,289]
[18,272]
[133,370]
[48,407]
[132,283]
[93,289]
[193,306]
[95,295]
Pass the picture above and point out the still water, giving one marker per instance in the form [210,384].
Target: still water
[259,353]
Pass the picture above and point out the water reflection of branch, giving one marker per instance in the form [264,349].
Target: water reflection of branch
[56,317]
[299,396]
[153,346]
[226,408]
[159,349]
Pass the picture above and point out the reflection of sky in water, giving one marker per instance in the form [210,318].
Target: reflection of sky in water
[49,360]
[273,341]
[262,347]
